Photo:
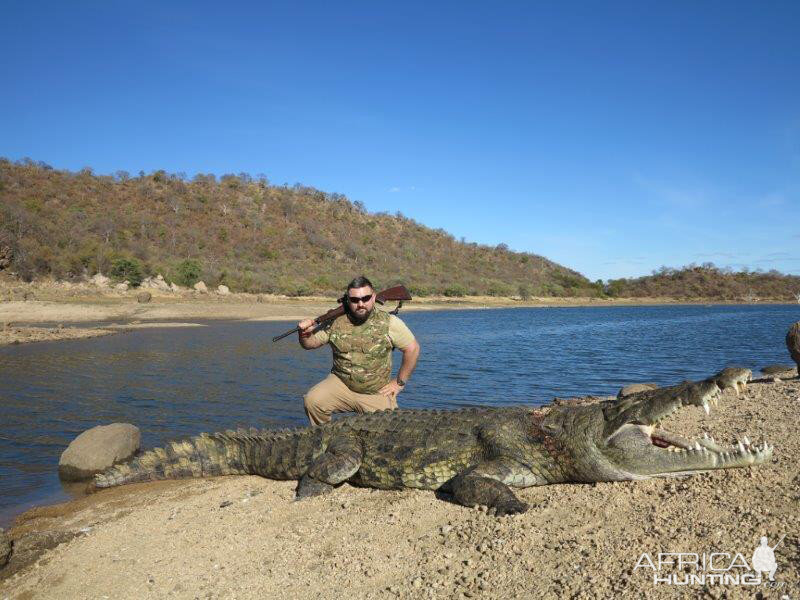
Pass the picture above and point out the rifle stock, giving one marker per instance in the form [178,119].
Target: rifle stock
[398,293]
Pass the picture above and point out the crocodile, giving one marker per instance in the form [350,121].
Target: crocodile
[475,454]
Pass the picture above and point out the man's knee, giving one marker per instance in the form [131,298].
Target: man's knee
[318,405]
[315,399]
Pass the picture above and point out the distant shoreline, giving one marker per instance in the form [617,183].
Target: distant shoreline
[57,313]
[51,310]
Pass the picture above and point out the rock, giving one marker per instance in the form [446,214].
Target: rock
[635,388]
[155,283]
[100,280]
[5,548]
[97,449]
[793,343]
[123,287]
[175,287]
[223,290]
[776,369]
[160,283]
[144,297]
[200,287]
[6,256]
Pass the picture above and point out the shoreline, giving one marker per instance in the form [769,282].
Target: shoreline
[59,313]
[244,537]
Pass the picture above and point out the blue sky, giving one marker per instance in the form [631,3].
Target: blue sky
[611,137]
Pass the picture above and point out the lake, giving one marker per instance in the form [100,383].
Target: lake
[175,382]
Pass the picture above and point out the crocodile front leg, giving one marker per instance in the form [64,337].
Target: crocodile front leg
[340,461]
[485,485]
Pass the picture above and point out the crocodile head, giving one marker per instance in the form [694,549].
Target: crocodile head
[622,439]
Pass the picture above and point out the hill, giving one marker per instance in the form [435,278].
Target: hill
[708,281]
[245,233]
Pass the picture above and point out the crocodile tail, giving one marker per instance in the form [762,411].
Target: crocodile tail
[205,455]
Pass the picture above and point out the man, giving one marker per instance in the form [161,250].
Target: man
[362,341]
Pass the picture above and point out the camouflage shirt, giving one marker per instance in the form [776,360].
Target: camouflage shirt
[362,354]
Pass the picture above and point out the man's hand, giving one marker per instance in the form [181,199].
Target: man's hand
[391,389]
[305,334]
[306,327]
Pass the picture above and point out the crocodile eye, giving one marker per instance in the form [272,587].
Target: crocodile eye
[550,428]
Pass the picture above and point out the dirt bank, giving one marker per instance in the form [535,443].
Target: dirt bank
[244,537]
[48,310]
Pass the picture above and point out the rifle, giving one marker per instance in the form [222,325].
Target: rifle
[398,294]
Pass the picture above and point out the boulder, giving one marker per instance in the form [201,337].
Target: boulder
[6,256]
[5,548]
[100,280]
[793,343]
[223,290]
[175,287]
[144,297]
[200,287]
[160,283]
[123,287]
[97,449]
[635,388]
[155,283]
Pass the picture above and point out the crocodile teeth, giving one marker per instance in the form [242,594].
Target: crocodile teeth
[706,407]
[697,446]
[741,447]
[746,441]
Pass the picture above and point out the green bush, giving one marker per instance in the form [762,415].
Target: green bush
[455,291]
[188,272]
[126,269]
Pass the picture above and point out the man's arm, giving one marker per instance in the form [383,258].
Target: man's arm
[410,356]
[305,335]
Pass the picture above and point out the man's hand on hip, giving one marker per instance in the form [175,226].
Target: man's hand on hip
[391,389]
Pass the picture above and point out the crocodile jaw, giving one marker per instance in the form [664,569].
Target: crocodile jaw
[644,450]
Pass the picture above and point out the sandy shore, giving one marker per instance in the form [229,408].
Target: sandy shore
[244,537]
[43,311]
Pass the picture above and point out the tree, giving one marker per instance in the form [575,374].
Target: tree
[189,272]
[125,269]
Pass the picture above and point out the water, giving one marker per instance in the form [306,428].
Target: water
[181,381]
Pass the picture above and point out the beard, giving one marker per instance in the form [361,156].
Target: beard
[359,319]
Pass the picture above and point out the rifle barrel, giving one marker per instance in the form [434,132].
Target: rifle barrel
[283,335]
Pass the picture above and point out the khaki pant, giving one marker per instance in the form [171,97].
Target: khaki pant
[331,395]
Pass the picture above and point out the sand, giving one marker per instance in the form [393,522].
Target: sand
[51,310]
[244,537]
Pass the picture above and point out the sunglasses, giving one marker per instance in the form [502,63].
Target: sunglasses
[357,299]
